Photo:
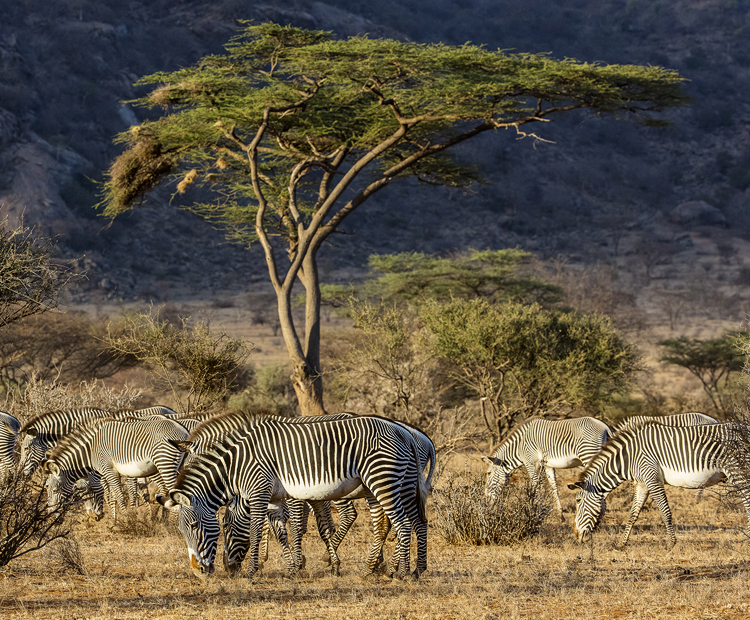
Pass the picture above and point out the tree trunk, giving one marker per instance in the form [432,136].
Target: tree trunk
[309,390]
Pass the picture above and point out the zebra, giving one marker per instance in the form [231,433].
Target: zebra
[550,444]
[691,457]
[316,461]
[692,418]
[130,446]
[9,428]
[42,431]
[237,527]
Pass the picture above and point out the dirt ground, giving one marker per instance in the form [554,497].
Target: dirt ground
[137,577]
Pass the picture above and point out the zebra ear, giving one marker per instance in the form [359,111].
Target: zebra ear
[32,432]
[575,485]
[178,497]
[490,460]
[52,468]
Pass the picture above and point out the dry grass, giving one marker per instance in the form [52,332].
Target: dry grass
[550,576]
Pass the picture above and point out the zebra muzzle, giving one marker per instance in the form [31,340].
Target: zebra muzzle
[196,565]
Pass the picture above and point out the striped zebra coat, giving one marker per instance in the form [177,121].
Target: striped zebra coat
[692,457]
[317,461]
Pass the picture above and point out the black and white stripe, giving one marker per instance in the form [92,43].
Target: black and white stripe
[9,429]
[316,461]
[545,444]
[692,457]
[132,446]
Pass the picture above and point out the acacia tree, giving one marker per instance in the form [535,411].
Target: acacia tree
[293,131]
[712,361]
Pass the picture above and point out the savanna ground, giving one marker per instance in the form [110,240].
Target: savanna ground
[129,575]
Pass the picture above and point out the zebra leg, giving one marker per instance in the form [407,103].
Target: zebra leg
[277,517]
[132,484]
[258,511]
[263,548]
[324,522]
[551,476]
[111,480]
[660,499]
[639,498]
[299,512]
[322,512]
[380,526]
[347,516]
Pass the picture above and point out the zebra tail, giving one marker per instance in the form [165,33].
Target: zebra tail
[423,489]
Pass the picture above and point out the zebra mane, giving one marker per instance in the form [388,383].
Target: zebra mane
[81,434]
[223,424]
[41,419]
[614,443]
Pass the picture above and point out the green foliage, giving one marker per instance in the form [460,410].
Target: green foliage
[489,274]
[292,131]
[200,368]
[712,361]
[298,105]
[271,392]
[523,360]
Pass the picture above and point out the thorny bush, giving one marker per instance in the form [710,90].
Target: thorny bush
[465,516]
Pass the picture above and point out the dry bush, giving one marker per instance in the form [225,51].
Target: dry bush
[40,396]
[25,523]
[66,556]
[138,523]
[464,516]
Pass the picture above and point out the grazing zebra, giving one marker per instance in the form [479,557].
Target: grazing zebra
[548,444]
[677,419]
[237,526]
[691,457]
[44,430]
[9,428]
[316,461]
[134,447]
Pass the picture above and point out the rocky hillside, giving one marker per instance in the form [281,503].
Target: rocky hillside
[598,191]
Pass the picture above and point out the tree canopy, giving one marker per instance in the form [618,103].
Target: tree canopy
[522,360]
[292,130]
[712,361]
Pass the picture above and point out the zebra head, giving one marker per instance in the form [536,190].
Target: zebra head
[498,473]
[198,526]
[591,503]
[33,452]
[60,486]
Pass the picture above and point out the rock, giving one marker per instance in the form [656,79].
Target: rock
[697,212]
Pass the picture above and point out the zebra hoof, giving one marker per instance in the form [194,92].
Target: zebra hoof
[335,571]
[303,562]
[326,558]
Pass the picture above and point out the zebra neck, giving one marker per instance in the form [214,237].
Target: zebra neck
[508,452]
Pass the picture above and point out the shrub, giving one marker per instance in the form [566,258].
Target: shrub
[66,557]
[466,517]
[25,523]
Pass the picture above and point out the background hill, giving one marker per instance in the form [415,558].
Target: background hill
[664,209]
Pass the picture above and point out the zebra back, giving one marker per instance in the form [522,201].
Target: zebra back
[680,448]
[678,419]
